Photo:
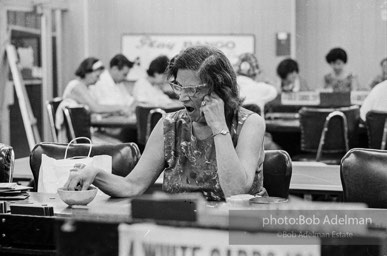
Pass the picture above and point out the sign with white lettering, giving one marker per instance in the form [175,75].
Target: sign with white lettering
[300,98]
[357,97]
[143,48]
[150,239]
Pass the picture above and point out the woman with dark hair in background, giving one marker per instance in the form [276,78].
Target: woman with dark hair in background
[77,93]
[213,145]
[291,81]
[88,74]
[148,90]
[339,80]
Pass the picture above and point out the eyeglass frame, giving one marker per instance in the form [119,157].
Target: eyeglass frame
[173,84]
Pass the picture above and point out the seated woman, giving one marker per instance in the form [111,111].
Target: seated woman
[291,81]
[339,80]
[77,93]
[148,90]
[253,92]
[381,77]
[213,146]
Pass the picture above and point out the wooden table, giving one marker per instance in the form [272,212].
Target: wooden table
[93,230]
[315,176]
[306,176]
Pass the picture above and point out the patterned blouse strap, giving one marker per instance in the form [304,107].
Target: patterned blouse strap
[239,120]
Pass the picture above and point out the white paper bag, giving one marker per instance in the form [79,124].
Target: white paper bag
[54,173]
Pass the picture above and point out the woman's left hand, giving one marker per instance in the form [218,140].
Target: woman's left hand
[213,109]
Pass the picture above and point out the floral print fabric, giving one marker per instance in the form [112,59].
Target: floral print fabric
[191,163]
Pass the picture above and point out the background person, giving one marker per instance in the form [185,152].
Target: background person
[149,90]
[110,89]
[291,81]
[77,93]
[250,90]
[255,94]
[213,146]
[375,100]
[381,77]
[339,80]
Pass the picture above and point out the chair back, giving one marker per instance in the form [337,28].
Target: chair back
[147,118]
[328,129]
[364,177]
[79,122]
[376,122]
[52,107]
[153,117]
[277,172]
[124,155]
[7,162]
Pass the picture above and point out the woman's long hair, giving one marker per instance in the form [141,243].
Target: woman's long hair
[213,69]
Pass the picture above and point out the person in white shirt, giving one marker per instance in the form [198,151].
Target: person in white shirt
[110,89]
[376,100]
[253,92]
[148,90]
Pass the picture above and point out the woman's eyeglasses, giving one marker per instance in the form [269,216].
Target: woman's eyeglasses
[189,90]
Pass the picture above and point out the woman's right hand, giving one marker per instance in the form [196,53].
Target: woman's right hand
[81,178]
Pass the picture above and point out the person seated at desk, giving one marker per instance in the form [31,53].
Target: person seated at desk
[291,81]
[148,90]
[381,77]
[213,146]
[109,89]
[339,80]
[250,90]
[375,100]
[77,93]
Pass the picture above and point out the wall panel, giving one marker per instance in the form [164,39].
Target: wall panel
[355,25]
[108,20]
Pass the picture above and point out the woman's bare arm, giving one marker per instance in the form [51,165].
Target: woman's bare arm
[135,183]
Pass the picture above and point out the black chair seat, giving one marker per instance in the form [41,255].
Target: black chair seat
[327,133]
[52,107]
[376,122]
[78,120]
[147,118]
[277,172]
[364,177]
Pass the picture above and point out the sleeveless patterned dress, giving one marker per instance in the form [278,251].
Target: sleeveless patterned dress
[190,163]
[337,85]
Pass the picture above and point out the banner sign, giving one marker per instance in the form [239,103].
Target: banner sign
[150,239]
[300,98]
[143,48]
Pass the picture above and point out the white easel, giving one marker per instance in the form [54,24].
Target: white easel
[29,120]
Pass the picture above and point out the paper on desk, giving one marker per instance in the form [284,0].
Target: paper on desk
[12,187]
[7,185]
